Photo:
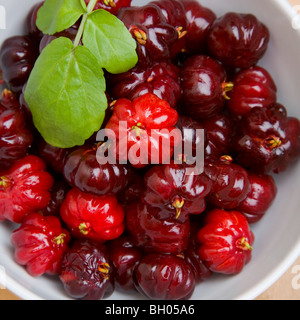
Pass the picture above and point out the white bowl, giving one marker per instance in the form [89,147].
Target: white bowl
[277,243]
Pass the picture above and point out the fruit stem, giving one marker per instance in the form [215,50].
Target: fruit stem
[84,228]
[181,33]
[104,269]
[139,35]
[226,159]
[227,86]
[5,183]
[243,244]
[272,142]
[109,3]
[79,34]
[59,240]
[178,203]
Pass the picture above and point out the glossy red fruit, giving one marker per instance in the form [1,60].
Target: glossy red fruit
[87,216]
[164,277]
[153,234]
[176,192]
[225,241]
[32,28]
[15,137]
[191,255]
[219,132]
[204,87]
[253,87]
[142,131]
[24,189]
[112,6]
[124,256]
[268,140]
[82,170]
[230,183]
[260,198]
[161,79]
[53,156]
[238,40]
[133,192]
[58,194]
[199,20]
[39,244]
[154,36]
[17,57]
[194,137]
[86,271]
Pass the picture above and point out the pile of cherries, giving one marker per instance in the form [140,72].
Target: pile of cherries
[155,229]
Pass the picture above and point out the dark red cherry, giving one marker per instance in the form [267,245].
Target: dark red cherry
[199,20]
[124,256]
[17,57]
[268,140]
[161,79]
[154,36]
[230,183]
[86,271]
[238,40]
[153,234]
[32,28]
[260,198]
[253,87]
[164,277]
[204,87]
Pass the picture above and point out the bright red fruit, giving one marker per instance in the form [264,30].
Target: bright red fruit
[176,192]
[88,216]
[261,196]
[238,40]
[143,130]
[225,241]
[153,234]
[40,243]
[253,87]
[161,79]
[164,277]
[24,189]
[86,271]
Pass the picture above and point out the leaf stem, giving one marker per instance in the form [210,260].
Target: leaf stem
[79,34]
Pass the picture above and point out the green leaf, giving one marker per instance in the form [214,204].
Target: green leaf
[57,15]
[110,41]
[66,94]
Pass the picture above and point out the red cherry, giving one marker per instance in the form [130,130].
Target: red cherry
[124,256]
[142,135]
[164,277]
[86,271]
[225,241]
[261,196]
[161,79]
[40,243]
[153,234]
[176,192]
[24,189]
[87,216]
[230,183]
[253,87]
[204,87]
[238,40]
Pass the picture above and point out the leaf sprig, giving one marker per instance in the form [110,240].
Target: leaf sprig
[66,88]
